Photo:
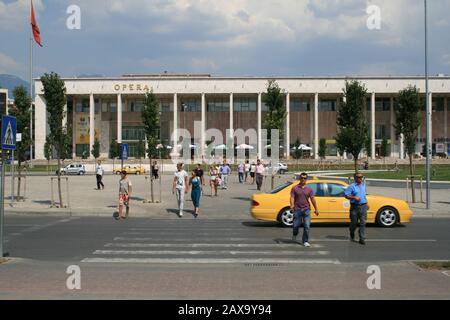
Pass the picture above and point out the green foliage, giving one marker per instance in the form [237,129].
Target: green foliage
[408,118]
[114,149]
[96,149]
[48,148]
[150,119]
[21,110]
[276,114]
[384,148]
[55,99]
[351,120]
[140,149]
[322,148]
[368,146]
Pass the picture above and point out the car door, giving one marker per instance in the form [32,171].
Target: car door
[338,206]
[321,201]
[71,169]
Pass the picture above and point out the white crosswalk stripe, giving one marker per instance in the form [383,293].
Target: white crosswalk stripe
[204,245]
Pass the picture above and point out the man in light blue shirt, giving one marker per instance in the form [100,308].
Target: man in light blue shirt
[225,171]
[356,193]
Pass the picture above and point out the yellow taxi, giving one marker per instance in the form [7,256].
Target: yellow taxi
[332,205]
[130,170]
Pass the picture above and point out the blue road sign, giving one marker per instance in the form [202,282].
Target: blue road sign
[9,131]
[125,151]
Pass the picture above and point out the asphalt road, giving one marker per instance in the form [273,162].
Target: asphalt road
[216,259]
[75,239]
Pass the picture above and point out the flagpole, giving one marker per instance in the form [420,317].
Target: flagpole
[31,96]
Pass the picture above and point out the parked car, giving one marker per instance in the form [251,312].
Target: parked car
[130,170]
[332,205]
[280,168]
[73,168]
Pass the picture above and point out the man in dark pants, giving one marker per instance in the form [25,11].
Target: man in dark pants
[99,175]
[301,194]
[356,193]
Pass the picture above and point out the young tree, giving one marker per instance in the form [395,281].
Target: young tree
[408,119]
[322,148]
[21,110]
[297,151]
[140,150]
[351,120]
[96,149]
[276,114]
[113,150]
[48,151]
[368,147]
[384,149]
[150,119]
[55,99]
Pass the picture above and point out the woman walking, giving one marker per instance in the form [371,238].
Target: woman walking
[196,192]
[213,176]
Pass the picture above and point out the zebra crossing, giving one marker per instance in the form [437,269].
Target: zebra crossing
[206,243]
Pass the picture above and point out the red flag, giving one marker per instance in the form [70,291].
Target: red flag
[35,27]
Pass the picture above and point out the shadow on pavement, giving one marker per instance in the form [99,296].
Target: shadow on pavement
[242,198]
[43,202]
[259,224]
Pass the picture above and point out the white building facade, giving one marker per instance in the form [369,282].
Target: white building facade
[111,109]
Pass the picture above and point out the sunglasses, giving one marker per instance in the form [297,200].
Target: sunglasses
[359,177]
[303,178]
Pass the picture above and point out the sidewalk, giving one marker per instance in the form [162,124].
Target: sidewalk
[233,203]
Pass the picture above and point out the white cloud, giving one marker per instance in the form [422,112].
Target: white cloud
[16,15]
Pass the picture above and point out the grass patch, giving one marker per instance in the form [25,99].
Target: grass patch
[438,173]
[433,265]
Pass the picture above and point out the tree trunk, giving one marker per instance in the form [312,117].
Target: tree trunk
[411,172]
[355,159]
[151,182]
[59,184]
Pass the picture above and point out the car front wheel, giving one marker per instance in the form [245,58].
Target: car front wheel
[387,217]
[286,217]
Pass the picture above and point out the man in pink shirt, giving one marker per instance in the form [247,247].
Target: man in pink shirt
[259,174]
[300,196]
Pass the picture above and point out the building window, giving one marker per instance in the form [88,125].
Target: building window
[298,105]
[381,132]
[82,150]
[244,105]
[133,133]
[191,106]
[327,105]
[97,105]
[382,104]
[438,104]
[166,106]
[218,105]
[82,106]
[135,105]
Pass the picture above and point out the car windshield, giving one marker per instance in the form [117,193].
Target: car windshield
[281,187]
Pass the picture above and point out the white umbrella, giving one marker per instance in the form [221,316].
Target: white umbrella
[168,147]
[193,146]
[269,146]
[159,146]
[245,146]
[220,147]
[304,147]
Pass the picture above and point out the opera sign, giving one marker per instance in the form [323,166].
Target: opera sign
[131,87]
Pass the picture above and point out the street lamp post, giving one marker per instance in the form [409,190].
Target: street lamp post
[428,108]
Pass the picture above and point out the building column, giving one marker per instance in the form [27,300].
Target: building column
[372,125]
[203,133]
[40,127]
[392,124]
[259,126]
[316,126]
[119,118]
[175,122]
[287,152]
[231,117]
[430,128]
[91,124]
[446,124]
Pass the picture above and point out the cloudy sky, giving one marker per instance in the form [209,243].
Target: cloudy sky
[226,37]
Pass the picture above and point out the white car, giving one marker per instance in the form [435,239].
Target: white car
[78,169]
[280,168]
